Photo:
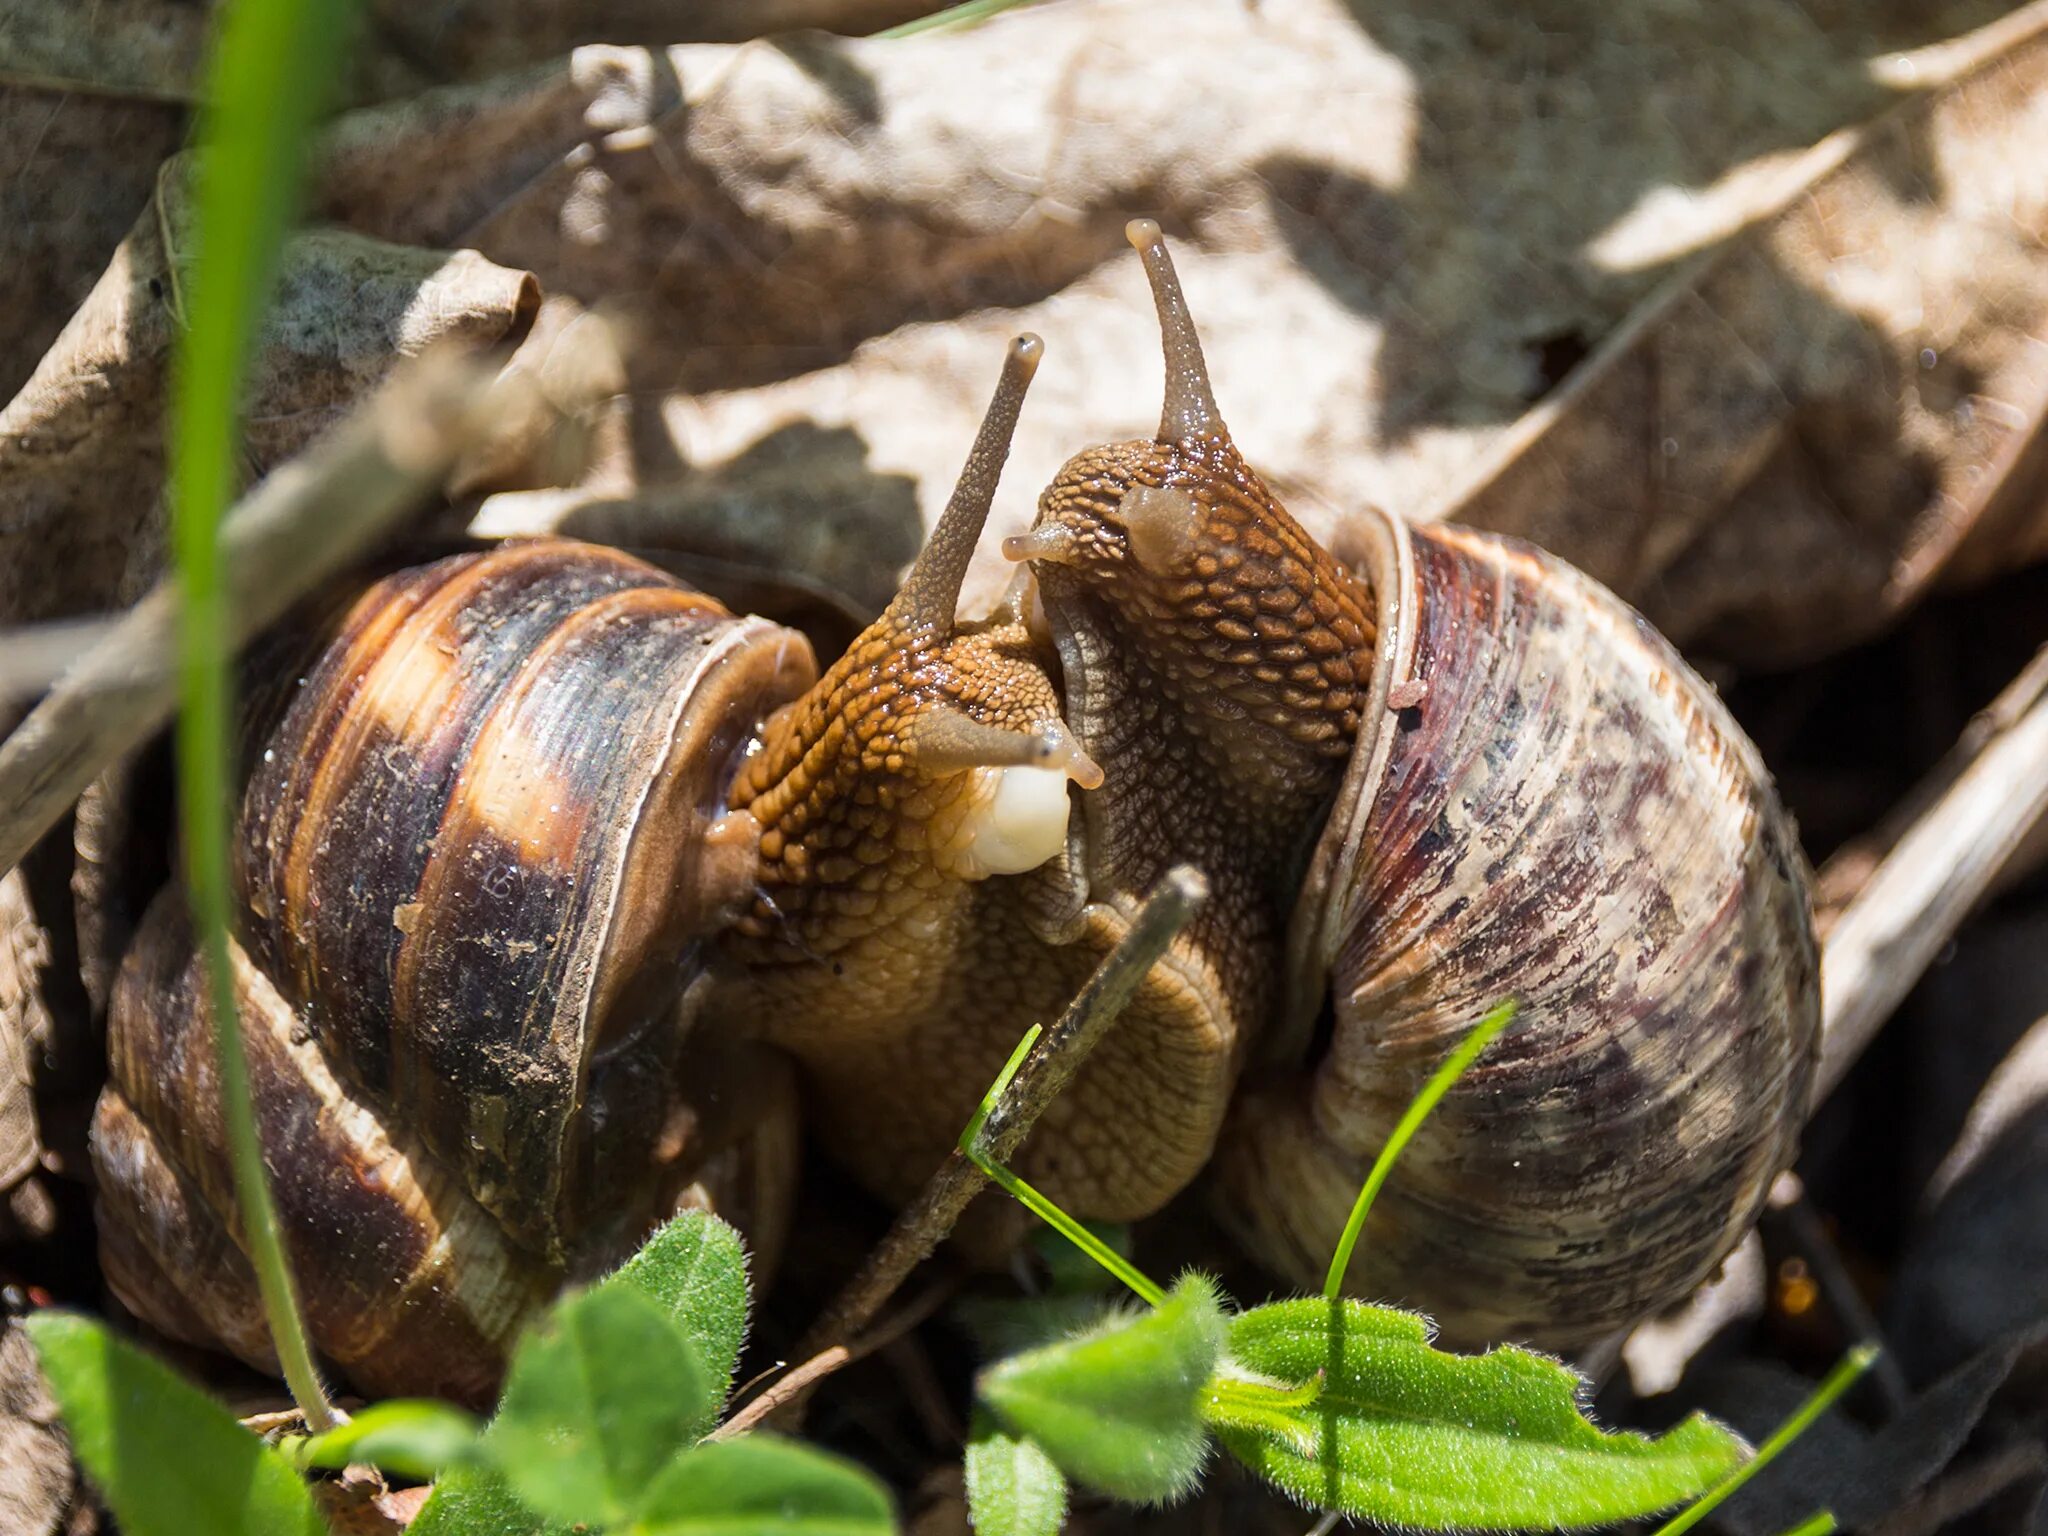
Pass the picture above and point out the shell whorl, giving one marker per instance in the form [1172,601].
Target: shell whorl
[481,813]
[1565,814]
[481,836]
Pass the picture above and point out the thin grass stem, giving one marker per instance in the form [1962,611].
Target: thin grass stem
[271,61]
[1454,1067]
[1838,1381]
[968,11]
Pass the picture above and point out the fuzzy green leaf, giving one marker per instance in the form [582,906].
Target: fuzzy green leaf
[477,1501]
[1013,1488]
[168,1459]
[696,1268]
[1120,1408]
[413,1437]
[597,1402]
[1408,1435]
[756,1484]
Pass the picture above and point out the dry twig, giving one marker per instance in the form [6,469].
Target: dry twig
[1937,871]
[308,519]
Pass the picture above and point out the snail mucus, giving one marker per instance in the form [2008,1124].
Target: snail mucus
[549,865]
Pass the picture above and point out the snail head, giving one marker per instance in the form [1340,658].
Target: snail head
[932,748]
[1174,554]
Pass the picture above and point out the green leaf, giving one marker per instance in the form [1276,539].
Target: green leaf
[168,1459]
[477,1501]
[696,1268]
[758,1484]
[413,1437]
[596,1403]
[1120,1409]
[1404,1434]
[1013,1488]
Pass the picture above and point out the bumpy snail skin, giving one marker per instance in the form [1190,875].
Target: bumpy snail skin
[921,902]
[1458,773]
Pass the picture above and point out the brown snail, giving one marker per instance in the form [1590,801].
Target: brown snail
[474,850]
[1444,771]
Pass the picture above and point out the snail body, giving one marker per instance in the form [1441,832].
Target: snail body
[553,860]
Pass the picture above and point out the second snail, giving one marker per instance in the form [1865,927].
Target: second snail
[1443,771]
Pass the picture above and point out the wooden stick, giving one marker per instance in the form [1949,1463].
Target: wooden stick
[309,518]
[926,1222]
[1915,899]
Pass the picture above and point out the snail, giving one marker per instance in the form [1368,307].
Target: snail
[480,836]
[549,863]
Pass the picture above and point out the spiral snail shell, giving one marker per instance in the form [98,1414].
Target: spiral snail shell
[550,864]
[1454,771]
[479,842]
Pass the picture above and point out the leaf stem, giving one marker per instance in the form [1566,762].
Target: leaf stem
[1454,1066]
[1838,1381]
[1148,1290]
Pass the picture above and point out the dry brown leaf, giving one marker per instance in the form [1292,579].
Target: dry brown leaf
[36,1479]
[1399,223]
[1838,406]
[75,167]
[1978,1268]
[81,447]
[24,1022]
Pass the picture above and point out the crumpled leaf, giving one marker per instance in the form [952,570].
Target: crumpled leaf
[1837,1464]
[1418,216]
[81,447]
[75,168]
[1977,1269]
[1791,441]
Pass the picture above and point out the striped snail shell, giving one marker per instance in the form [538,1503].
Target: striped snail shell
[1566,815]
[480,837]
[1443,772]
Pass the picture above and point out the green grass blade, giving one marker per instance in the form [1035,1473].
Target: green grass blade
[1838,1381]
[963,14]
[1038,1204]
[1483,1034]
[272,63]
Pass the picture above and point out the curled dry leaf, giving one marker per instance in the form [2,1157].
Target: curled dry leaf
[1978,1268]
[24,1022]
[36,1480]
[1836,407]
[1862,1474]
[1417,215]
[74,168]
[81,447]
